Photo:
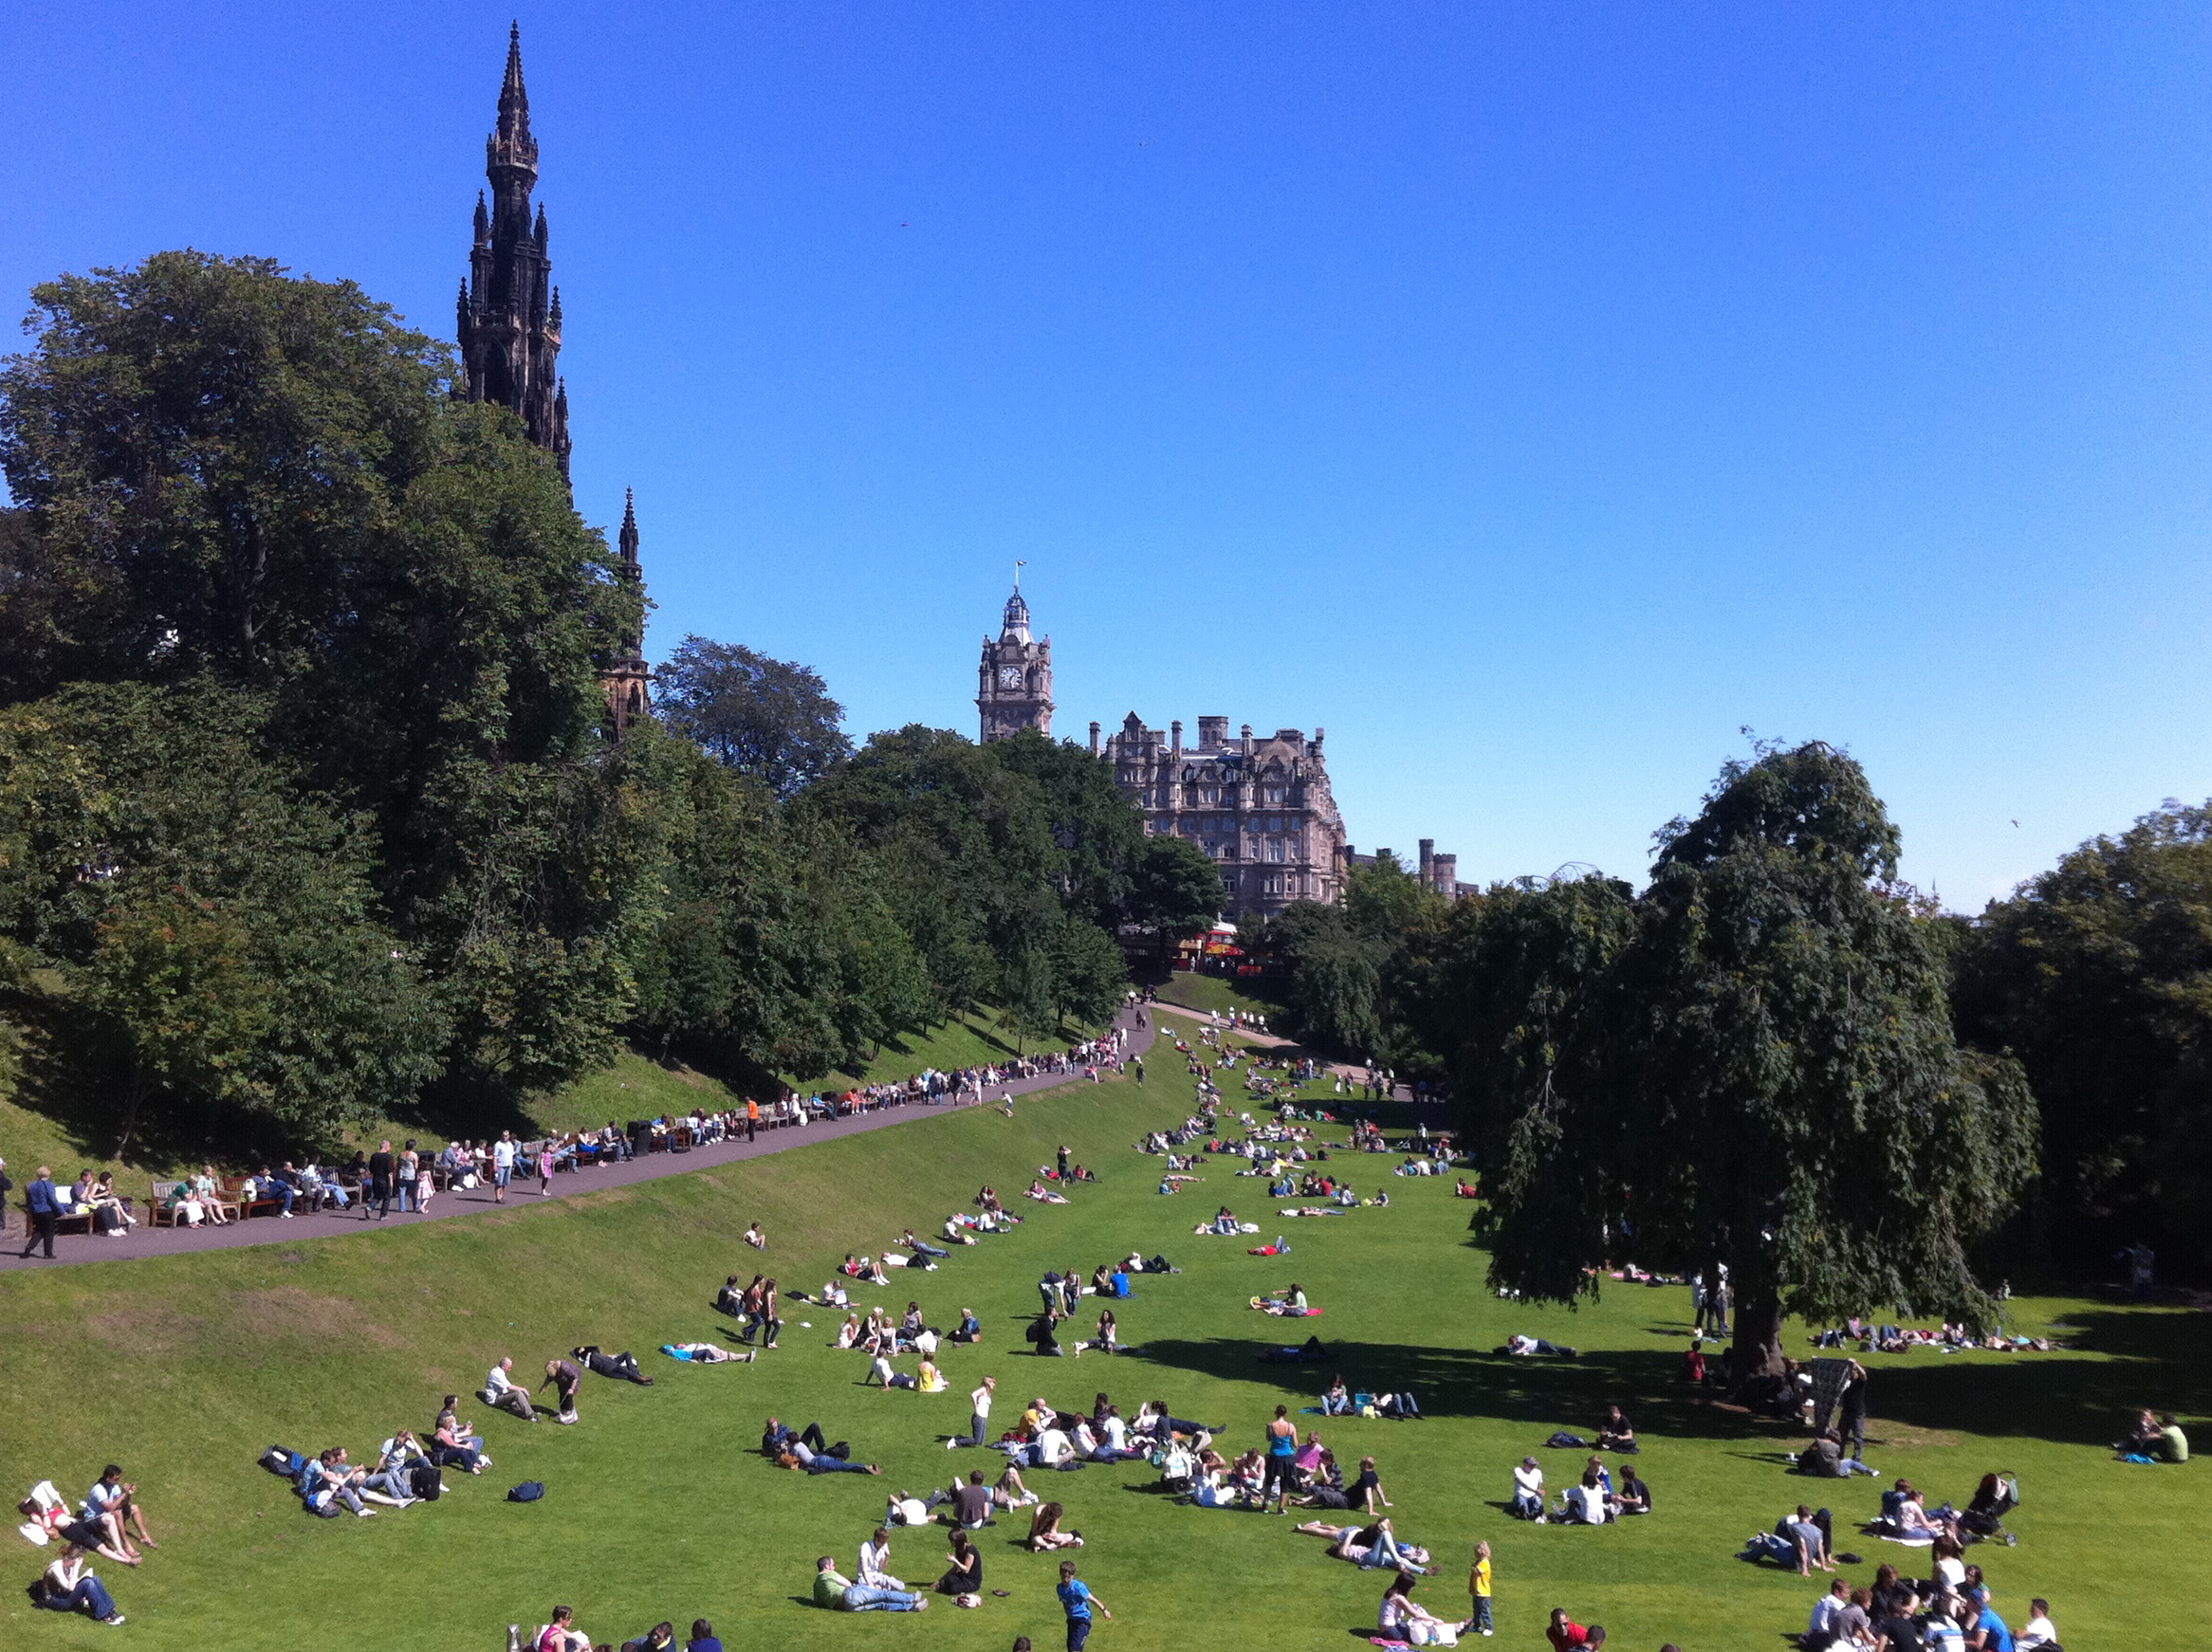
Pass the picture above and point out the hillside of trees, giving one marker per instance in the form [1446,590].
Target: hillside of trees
[310,810]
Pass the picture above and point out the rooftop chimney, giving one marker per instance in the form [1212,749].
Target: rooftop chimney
[1094,739]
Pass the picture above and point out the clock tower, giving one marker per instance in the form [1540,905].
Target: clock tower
[1014,687]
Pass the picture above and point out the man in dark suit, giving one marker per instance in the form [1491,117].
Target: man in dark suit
[382,1168]
[44,1207]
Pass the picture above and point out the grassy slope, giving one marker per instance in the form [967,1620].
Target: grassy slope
[184,1369]
[1211,992]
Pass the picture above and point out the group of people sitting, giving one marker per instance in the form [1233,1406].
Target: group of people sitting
[561,1635]
[1955,1610]
[1594,1500]
[2156,1437]
[405,1469]
[109,1522]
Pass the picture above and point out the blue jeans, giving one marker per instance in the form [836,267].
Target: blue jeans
[1386,1552]
[89,1595]
[929,1250]
[824,1463]
[406,1195]
[861,1598]
[1527,1505]
[1482,1614]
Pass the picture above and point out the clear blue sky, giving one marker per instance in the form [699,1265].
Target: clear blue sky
[1531,396]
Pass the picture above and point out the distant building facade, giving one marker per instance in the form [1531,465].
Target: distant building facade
[1261,808]
[1437,872]
[1014,683]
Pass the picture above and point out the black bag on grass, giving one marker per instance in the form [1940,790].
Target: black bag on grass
[283,1459]
[528,1492]
[427,1481]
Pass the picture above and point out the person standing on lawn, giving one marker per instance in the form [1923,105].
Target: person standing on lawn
[502,1166]
[1075,1596]
[1479,1583]
[1281,1452]
[1850,1411]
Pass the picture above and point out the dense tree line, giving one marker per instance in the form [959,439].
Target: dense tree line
[1777,1057]
[309,804]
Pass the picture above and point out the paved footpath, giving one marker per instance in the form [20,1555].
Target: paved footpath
[270,1230]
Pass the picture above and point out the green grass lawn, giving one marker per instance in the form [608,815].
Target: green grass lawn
[184,1369]
[1211,992]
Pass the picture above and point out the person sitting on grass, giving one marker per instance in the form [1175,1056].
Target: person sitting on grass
[330,1479]
[1568,1636]
[501,1393]
[455,1445]
[1225,1222]
[1109,1334]
[1825,1459]
[1044,1531]
[2038,1634]
[1616,1433]
[69,1587]
[755,1237]
[875,1561]
[1290,1304]
[1528,1491]
[561,1635]
[837,1594]
[1009,1492]
[1045,1333]
[115,1503]
[963,1576]
[1337,1401]
[1811,1539]
[1402,1617]
[1634,1497]
[659,1639]
[1587,1502]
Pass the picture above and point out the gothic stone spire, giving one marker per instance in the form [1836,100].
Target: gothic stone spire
[510,330]
[628,680]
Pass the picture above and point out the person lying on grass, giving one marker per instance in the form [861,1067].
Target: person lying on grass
[706,1353]
[839,1594]
[806,1449]
[1402,1617]
[1568,1636]
[622,1365]
[1044,1195]
[1368,1547]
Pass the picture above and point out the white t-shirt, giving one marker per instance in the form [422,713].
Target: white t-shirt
[1052,1445]
[503,1155]
[981,1401]
[1116,1434]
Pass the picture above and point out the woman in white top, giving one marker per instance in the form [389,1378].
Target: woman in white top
[71,1588]
[1402,1617]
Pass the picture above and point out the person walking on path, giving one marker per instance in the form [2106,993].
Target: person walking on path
[381,1170]
[41,1208]
[752,1118]
[7,1186]
[1479,1581]
[502,1166]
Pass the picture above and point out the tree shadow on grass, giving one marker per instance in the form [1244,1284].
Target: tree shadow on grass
[2156,1361]
[1545,1393]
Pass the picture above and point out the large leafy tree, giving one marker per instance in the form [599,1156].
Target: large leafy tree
[1176,888]
[1357,970]
[2098,975]
[771,719]
[231,476]
[200,931]
[1753,1067]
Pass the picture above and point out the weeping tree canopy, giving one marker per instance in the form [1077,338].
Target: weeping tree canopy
[1751,1064]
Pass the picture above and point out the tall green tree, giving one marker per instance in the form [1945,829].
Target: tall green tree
[232,476]
[1763,1074]
[771,719]
[203,933]
[2098,976]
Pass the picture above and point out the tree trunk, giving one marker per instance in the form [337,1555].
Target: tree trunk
[1758,1348]
[134,1099]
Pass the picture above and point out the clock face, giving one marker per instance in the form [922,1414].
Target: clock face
[1009,676]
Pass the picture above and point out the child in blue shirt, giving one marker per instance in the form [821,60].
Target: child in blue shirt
[1078,1600]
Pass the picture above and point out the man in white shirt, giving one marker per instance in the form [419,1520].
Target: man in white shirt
[501,1392]
[1528,1491]
[1052,1447]
[1822,1629]
[2038,1630]
[874,1557]
[502,1166]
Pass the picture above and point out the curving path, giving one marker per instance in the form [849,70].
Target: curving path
[166,1241]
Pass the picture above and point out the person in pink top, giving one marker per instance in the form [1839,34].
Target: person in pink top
[545,1170]
[562,1634]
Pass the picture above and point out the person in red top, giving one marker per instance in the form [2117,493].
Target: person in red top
[1568,1636]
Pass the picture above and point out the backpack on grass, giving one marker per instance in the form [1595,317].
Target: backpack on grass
[528,1492]
[427,1481]
[282,1459]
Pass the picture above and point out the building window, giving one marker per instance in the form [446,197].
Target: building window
[1274,793]
[1274,884]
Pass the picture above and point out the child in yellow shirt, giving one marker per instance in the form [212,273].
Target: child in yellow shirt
[1479,1586]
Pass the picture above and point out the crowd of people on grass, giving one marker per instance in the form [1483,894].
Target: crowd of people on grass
[1287,1466]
